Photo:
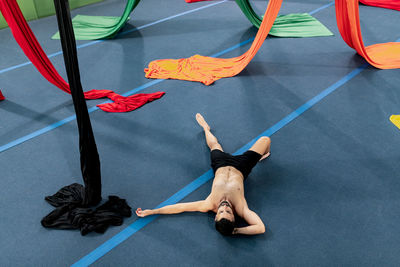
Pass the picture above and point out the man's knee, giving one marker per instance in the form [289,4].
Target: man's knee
[214,145]
[265,139]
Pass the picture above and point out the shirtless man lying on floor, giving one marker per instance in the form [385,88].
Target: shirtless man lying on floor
[227,194]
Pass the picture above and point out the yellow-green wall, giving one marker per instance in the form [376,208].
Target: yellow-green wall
[34,9]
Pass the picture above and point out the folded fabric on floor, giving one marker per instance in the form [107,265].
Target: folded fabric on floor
[382,56]
[395,119]
[291,25]
[208,69]
[69,215]
[100,27]
[32,49]
[72,202]
[1,96]
[391,4]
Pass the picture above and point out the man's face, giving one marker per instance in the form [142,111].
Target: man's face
[225,211]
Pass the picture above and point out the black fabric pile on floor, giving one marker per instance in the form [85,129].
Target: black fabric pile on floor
[70,214]
[72,202]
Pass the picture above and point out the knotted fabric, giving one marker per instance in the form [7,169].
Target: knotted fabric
[100,27]
[1,96]
[392,4]
[32,49]
[382,56]
[208,69]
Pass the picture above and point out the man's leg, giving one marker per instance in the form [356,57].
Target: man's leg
[262,146]
[211,140]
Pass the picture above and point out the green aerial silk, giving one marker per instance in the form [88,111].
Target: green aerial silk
[292,25]
[298,25]
[100,27]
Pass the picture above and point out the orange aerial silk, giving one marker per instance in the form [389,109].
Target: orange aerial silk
[382,56]
[208,69]
[392,4]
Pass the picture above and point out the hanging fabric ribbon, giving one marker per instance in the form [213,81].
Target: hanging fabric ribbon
[291,25]
[32,49]
[208,69]
[395,119]
[100,27]
[1,96]
[391,4]
[382,56]
[71,201]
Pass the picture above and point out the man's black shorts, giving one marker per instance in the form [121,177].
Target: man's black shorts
[244,163]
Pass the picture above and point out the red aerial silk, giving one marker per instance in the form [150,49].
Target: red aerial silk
[1,96]
[32,49]
[392,4]
[382,56]
[208,69]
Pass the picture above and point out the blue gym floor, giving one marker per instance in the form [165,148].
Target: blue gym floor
[329,194]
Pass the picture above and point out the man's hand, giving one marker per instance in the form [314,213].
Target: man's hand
[143,213]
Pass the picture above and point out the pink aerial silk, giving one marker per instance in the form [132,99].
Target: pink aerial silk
[392,4]
[32,49]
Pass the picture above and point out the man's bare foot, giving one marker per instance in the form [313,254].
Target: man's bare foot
[202,122]
[265,156]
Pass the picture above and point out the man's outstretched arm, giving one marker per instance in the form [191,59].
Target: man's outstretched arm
[201,206]
[256,226]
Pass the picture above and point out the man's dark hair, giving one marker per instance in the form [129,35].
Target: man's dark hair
[225,226]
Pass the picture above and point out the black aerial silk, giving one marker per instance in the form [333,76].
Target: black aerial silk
[72,202]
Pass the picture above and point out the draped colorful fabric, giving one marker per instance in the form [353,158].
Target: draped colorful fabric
[391,4]
[291,25]
[32,49]
[208,69]
[298,25]
[100,27]
[382,56]
[395,119]
[1,96]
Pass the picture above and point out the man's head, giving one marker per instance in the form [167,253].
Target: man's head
[225,219]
